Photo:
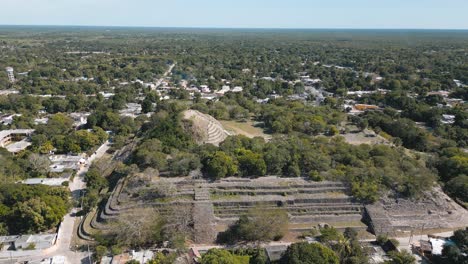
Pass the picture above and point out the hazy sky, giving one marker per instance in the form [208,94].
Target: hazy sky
[451,14]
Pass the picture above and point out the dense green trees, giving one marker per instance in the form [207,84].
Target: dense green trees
[30,209]
[219,165]
[283,116]
[369,169]
[221,256]
[58,134]
[300,253]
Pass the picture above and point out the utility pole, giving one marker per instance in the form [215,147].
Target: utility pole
[89,256]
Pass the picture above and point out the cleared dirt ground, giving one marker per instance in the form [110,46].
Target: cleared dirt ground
[245,128]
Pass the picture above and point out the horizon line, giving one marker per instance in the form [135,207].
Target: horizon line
[245,28]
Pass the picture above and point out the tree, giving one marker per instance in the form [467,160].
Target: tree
[183,163]
[149,154]
[456,253]
[460,237]
[147,106]
[403,257]
[99,252]
[222,256]
[365,191]
[219,165]
[39,163]
[257,225]
[457,187]
[329,234]
[250,163]
[305,253]
[162,258]
[139,228]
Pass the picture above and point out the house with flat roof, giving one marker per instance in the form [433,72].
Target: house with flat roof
[22,242]
[60,163]
[132,110]
[80,119]
[45,181]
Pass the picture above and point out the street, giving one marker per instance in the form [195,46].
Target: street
[67,227]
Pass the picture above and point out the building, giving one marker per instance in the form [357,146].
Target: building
[10,74]
[15,140]
[28,241]
[60,163]
[275,252]
[140,256]
[223,90]
[45,181]
[7,119]
[132,110]
[364,107]
[448,119]
[41,121]
[205,89]
[7,92]
[80,119]
[237,89]
[53,260]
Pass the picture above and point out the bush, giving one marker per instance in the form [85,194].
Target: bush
[257,225]
[304,252]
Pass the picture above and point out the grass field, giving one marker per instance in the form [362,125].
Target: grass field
[244,128]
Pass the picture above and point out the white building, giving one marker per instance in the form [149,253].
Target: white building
[205,89]
[23,242]
[45,181]
[223,90]
[448,119]
[131,110]
[11,74]
[237,89]
[60,163]
[80,119]
[15,140]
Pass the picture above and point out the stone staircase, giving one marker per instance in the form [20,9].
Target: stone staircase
[203,216]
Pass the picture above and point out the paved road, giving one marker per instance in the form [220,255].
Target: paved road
[158,82]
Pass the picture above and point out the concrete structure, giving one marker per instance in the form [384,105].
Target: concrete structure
[61,163]
[25,241]
[205,89]
[275,252]
[18,146]
[53,260]
[15,140]
[7,92]
[448,119]
[10,74]
[8,119]
[41,121]
[106,95]
[80,119]
[237,89]
[223,90]
[213,206]
[45,181]
[364,107]
[132,110]
[142,256]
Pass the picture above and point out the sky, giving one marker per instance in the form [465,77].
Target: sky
[408,14]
